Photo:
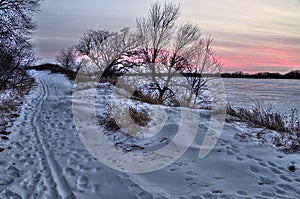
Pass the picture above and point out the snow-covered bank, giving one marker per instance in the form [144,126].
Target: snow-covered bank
[11,100]
[48,160]
[232,170]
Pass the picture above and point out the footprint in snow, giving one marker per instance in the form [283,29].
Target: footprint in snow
[82,182]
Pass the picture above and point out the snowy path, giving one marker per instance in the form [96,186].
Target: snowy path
[45,158]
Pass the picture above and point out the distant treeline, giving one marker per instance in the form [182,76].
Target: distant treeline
[295,74]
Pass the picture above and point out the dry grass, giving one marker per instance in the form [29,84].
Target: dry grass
[150,95]
[287,137]
[110,123]
[107,121]
[259,118]
[140,117]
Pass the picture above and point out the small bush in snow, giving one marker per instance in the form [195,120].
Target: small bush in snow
[139,116]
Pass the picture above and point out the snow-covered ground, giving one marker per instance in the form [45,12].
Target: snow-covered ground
[45,157]
[4,95]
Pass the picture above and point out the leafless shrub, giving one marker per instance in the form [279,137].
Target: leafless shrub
[108,122]
[140,116]
[149,94]
[126,142]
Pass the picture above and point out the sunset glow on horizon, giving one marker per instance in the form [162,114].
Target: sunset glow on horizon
[249,35]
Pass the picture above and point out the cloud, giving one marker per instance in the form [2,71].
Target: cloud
[246,33]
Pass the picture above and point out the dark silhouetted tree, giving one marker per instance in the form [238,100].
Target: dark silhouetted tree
[71,59]
[67,58]
[107,49]
[16,26]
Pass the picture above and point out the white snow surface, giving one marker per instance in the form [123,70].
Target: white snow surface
[45,158]
[4,95]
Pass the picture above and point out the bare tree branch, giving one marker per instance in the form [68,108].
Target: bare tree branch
[106,49]
[16,26]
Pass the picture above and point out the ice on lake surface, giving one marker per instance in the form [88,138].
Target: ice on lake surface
[284,92]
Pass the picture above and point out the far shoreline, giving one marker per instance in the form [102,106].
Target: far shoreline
[294,74]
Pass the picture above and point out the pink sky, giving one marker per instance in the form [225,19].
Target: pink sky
[249,35]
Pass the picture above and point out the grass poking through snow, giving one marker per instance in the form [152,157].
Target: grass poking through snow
[287,128]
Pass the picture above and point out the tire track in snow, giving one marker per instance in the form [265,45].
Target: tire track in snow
[24,181]
[48,156]
[62,187]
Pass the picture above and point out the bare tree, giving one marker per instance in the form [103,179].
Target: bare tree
[108,49]
[156,30]
[70,59]
[66,58]
[168,49]
[17,18]
[204,65]
[161,50]
[16,26]
[156,33]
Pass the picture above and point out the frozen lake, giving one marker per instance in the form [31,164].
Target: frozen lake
[284,92]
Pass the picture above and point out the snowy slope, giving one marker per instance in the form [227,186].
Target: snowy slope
[48,160]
